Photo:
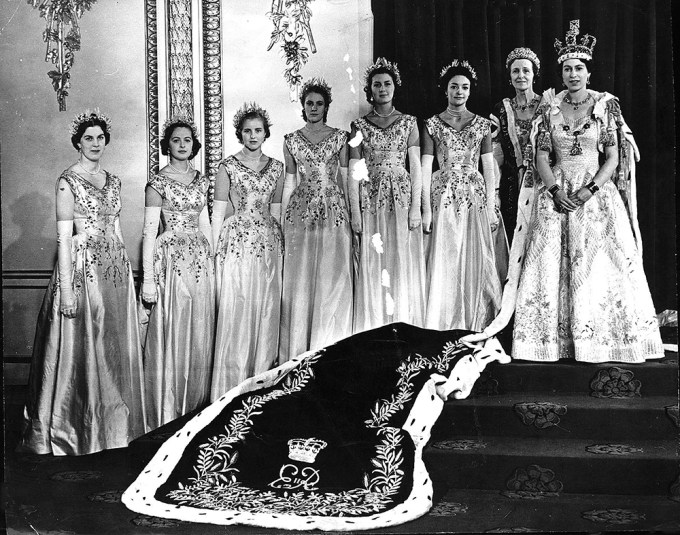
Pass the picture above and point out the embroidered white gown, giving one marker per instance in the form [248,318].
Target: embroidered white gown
[463,286]
[317,271]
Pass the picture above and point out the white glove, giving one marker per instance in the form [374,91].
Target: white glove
[426,166]
[204,226]
[152,217]
[490,183]
[353,190]
[219,211]
[275,210]
[68,305]
[414,217]
[289,185]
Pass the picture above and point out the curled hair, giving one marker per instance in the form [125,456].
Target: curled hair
[78,130]
[369,81]
[535,68]
[168,130]
[457,70]
[251,111]
[319,86]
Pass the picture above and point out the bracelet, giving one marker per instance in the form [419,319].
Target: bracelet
[553,189]
[592,187]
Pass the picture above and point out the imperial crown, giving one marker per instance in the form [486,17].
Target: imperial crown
[305,449]
[573,50]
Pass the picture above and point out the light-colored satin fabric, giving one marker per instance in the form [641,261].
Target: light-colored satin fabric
[178,353]
[317,271]
[85,385]
[248,271]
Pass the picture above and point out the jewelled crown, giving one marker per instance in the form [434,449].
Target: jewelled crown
[183,119]
[88,115]
[523,53]
[250,107]
[319,82]
[384,64]
[573,50]
[459,63]
[305,449]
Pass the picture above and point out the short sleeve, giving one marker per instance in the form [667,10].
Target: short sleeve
[156,182]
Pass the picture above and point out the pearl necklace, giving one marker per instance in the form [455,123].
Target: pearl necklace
[177,170]
[246,157]
[95,172]
[578,104]
[379,115]
[455,113]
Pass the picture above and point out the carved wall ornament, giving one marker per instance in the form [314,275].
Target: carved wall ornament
[61,44]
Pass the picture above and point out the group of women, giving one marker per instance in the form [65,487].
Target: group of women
[353,231]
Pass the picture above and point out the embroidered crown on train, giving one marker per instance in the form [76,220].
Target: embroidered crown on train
[573,50]
[318,82]
[88,115]
[383,63]
[463,63]
[305,449]
[250,107]
[183,119]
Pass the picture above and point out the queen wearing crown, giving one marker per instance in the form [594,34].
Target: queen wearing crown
[179,281]
[385,202]
[86,391]
[577,283]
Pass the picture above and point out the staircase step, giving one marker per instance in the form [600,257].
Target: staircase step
[656,377]
[569,415]
[564,465]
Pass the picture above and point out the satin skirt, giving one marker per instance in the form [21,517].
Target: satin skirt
[178,353]
[317,287]
[86,379]
[391,274]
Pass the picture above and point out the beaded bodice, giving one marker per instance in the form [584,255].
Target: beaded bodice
[385,148]
[317,163]
[252,191]
[95,210]
[575,143]
[182,203]
[458,149]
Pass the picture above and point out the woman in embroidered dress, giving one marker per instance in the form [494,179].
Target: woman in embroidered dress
[179,281]
[249,255]
[317,271]
[85,385]
[385,207]
[463,286]
[512,119]
[577,283]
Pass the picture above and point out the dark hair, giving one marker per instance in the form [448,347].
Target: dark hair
[252,115]
[321,90]
[534,68]
[369,81]
[92,121]
[456,71]
[167,134]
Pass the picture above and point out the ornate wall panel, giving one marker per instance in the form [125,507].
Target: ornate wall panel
[152,85]
[180,59]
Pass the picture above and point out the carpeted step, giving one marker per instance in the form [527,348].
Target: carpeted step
[526,466]
[654,377]
[571,415]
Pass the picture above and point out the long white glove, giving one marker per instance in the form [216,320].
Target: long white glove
[289,185]
[414,218]
[353,190]
[490,183]
[426,170]
[343,184]
[152,217]
[204,226]
[68,305]
[219,211]
[275,211]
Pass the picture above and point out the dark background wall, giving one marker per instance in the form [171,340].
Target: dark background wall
[632,59]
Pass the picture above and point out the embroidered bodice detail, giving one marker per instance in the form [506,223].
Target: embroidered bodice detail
[182,203]
[318,198]
[458,152]
[385,150]
[252,229]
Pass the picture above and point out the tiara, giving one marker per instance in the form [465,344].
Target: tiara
[319,82]
[570,49]
[382,63]
[523,53]
[88,115]
[180,119]
[460,63]
[250,107]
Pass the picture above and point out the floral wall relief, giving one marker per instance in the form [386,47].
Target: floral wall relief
[61,44]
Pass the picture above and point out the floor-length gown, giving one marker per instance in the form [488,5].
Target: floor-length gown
[582,291]
[178,352]
[463,286]
[390,284]
[248,261]
[86,380]
[317,271]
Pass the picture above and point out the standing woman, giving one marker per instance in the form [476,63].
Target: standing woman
[249,255]
[513,118]
[385,207]
[463,286]
[578,289]
[179,281]
[85,385]
[317,270]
